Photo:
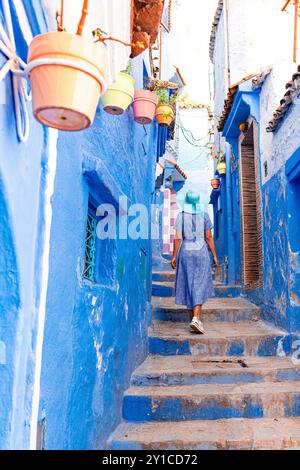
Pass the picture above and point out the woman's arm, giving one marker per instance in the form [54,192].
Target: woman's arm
[210,241]
[177,243]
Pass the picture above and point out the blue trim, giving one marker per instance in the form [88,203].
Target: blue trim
[161,141]
[214,196]
[292,166]
[245,104]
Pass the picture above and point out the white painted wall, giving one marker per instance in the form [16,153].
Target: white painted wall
[220,80]
[260,35]
[276,148]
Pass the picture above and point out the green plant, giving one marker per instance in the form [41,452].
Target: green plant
[162,95]
[164,98]
[173,98]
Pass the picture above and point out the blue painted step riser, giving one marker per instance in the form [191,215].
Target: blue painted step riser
[158,291]
[242,376]
[143,408]
[266,346]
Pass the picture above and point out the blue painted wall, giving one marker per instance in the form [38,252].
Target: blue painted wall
[23,168]
[220,222]
[96,333]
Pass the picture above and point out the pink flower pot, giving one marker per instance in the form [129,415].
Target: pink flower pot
[144,106]
[215,183]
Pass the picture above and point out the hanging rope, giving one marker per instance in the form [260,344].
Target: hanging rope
[16,66]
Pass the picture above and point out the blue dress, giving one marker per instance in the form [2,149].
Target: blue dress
[193,281]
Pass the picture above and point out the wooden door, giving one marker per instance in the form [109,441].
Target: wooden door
[251,211]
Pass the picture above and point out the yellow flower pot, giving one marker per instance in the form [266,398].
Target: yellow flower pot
[119,95]
[67,75]
[164,114]
[221,167]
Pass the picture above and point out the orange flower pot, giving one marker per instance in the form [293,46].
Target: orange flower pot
[164,114]
[144,106]
[65,92]
[243,127]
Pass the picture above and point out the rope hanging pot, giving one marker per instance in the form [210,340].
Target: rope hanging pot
[144,106]
[164,115]
[119,95]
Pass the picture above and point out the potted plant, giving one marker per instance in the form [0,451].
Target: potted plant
[164,111]
[215,183]
[144,106]
[67,75]
[119,94]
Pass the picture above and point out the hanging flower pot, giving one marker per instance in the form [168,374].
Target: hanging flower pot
[144,106]
[67,75]
[164,115]
[119,95]
[164,111]
[215,183]
[221,167]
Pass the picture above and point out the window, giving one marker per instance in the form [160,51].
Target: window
[90,248]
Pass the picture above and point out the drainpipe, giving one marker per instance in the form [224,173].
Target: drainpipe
[49,190]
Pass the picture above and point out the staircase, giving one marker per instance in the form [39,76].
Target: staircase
[232,388]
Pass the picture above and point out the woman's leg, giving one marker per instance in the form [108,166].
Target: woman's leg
[197,311]
[196,324]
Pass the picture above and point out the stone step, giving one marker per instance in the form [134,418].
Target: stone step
[229,434]
[192,370]
[210,401]
[216,309]
[162,276]
[220,339]
[166,289]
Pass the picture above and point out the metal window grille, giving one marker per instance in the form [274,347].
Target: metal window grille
[90,249]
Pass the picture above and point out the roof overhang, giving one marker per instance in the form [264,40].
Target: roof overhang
[245,104]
